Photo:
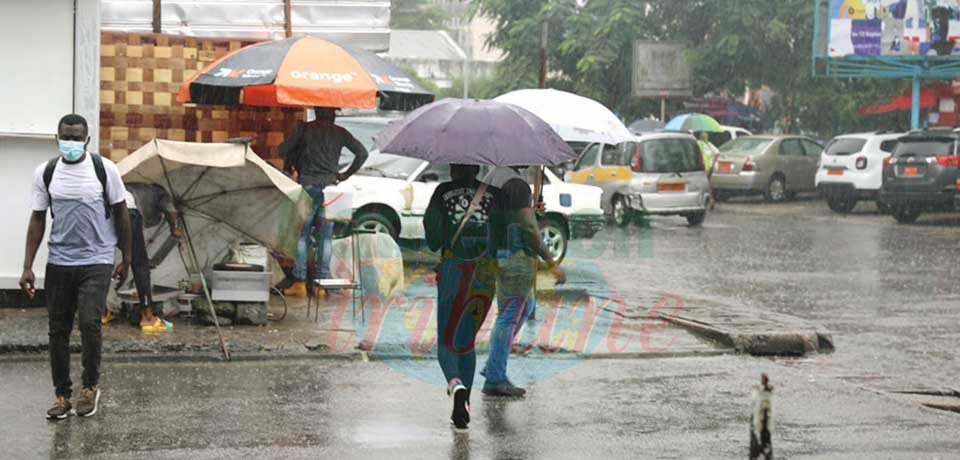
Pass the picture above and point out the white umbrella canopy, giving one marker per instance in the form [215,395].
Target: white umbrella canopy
[575,118]
[227,185]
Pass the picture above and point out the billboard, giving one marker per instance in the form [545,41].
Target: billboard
[660,70]
[894,28]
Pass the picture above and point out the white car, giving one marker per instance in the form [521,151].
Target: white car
[851,169]
[391,194]
[729,133]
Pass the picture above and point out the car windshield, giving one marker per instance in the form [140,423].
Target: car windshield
[386,165]
[663,155]
[745,146]
[925,147]
[844,147]
[364,130]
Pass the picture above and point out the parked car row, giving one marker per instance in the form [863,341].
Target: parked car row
[664,174]
[906,173]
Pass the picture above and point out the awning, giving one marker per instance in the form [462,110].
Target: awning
[929,97]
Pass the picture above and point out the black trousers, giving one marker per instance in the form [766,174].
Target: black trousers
[71,290]
[140,261]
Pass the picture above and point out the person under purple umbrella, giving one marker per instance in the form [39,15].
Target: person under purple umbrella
[467,132]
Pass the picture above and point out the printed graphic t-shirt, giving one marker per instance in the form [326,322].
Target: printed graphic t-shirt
[447,207]
[81,234]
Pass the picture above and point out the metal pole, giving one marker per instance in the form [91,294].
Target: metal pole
[466,77]
[156,17]
[915,107]
[287,19]
[196,264]
[663,110]
[537,196]
[544,37]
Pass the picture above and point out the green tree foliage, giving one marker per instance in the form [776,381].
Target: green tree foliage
[732,44]
[416,15]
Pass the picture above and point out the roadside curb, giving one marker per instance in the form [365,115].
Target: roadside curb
[197,357]
[354,356]
[777,340]
[572,356]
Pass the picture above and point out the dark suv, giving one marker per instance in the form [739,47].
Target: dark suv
[922,174]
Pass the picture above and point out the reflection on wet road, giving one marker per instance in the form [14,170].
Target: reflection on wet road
[652,408]
[889,293]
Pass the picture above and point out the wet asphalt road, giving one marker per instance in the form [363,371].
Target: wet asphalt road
[889,293]
[676,408]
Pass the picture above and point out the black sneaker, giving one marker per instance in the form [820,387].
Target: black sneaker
[460,415]
[88,402]
[60,410]
[505,389]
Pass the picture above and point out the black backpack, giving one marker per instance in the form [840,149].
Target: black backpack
[101,176]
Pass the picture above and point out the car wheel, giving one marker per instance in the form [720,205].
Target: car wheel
[884,207]
[375,222]
[906,214]
[697,218]
[555,237]
[621,213]
[776,189]
[841,203]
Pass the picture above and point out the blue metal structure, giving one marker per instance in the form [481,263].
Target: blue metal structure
[913,67]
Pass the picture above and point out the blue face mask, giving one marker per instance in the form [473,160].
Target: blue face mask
[71,150]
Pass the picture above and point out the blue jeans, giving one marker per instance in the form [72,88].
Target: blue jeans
[515,301]
[318,227]
[465,290]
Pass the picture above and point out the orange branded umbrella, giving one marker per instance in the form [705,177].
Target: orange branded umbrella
[304,72]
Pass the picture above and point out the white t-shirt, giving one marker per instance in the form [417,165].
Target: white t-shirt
[81,234]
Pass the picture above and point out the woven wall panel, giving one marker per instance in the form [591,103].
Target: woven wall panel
[140,75]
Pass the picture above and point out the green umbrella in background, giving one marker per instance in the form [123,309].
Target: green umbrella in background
[695,122]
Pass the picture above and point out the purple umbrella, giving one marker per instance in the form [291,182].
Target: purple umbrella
[467,131]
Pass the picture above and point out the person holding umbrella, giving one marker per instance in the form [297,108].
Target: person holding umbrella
[518,243]
[471,132]
[457,223]
[313,150]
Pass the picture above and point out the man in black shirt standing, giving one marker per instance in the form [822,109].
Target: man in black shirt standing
[457,224]
[314,152]
[518,242]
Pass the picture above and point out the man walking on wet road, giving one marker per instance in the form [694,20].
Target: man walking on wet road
[85,196]
[517,241]
[457,224]
[314,152]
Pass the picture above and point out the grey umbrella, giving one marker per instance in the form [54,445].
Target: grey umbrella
[467,131]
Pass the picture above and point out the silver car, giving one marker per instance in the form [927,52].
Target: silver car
[659,174]
[776,166]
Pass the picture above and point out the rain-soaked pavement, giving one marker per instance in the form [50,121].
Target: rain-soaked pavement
[650,408]
[888,293]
